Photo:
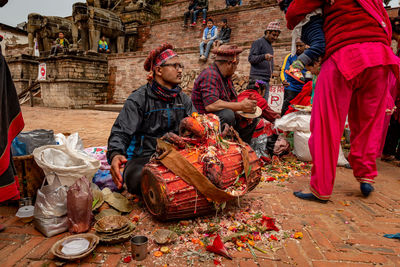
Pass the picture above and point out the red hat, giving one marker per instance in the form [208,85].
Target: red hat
[157,57]
[274,26]
[227,52]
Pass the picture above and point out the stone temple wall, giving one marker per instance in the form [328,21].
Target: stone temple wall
[74,81]
[23,69]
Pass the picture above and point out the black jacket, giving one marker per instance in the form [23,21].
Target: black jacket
[202,4]
[260,67]
[224,34]
[143,119]
[192,5]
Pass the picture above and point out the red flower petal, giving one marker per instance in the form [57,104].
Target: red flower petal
[127,259]
[218,248]
[269,223]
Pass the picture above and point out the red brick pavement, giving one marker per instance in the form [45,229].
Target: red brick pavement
[347,231]
[334,234]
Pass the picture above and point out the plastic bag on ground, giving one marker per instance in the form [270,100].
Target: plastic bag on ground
[73,141]
[31,140]
[79,204]
[50,214]
[302,150]
[69,165]
[296,121]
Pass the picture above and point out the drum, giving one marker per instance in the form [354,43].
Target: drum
[169,197]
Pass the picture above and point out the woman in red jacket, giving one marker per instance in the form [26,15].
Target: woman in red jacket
[358,69]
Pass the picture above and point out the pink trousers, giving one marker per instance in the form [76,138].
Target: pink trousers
[364,99]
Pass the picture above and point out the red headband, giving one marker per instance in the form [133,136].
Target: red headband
[163,57]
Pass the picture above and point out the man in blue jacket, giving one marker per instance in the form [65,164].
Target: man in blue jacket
[292,86]
[149,112]
[209,35]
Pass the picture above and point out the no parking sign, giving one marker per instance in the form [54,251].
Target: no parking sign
[275,98]
[42,72]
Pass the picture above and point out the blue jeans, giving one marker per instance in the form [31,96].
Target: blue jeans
[313,35]
[208,48]
[196,12]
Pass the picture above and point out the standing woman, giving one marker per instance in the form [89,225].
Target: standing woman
[356,75]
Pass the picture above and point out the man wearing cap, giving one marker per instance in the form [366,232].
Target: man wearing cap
[261,56]
[149,112]
[213,91]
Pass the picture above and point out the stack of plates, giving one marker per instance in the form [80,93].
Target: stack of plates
[114,229]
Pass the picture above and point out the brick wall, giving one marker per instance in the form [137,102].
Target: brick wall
[129,72]
[75,81]
[248,23]
[23,69]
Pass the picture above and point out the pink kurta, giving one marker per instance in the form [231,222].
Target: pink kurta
[355,80]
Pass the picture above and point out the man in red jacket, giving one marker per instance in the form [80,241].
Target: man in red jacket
[355,77]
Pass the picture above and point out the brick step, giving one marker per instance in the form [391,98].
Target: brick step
[244,21]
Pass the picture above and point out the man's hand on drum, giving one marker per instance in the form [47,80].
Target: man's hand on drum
[116,166]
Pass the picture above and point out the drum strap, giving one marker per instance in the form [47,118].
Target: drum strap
[180,166]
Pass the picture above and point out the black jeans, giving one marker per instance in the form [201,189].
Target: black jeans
[288,96]
[392,146]
[228,116]
[188,15]
[313,35]
[133,174]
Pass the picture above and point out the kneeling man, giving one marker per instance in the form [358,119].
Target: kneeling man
[149,112]
[213,92]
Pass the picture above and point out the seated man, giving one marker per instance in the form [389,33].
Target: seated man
[213,91]
[103,46]
[224,34]
[149,112]
[233,3]
[60,44]
[189,14]
[255,91]
[202,6]
[209,35]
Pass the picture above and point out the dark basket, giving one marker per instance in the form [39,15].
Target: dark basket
[30,175]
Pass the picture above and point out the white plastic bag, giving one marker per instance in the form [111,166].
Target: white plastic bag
[302,150]
[296,121]
[69,165]
[300,143]
[73,141]
[50,214]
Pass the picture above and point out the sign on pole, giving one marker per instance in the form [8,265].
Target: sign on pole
[42,72]
[275,98]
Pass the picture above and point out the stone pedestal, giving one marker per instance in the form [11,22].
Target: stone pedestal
[75,81]
[23,69]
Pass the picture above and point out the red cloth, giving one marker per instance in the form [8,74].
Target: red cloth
[267,112]
[303,98]
[346,21]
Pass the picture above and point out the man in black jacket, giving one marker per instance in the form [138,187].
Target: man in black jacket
[261,56]
[149,112]
[189,14]
[224,34]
